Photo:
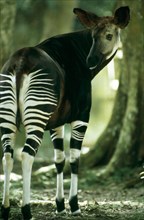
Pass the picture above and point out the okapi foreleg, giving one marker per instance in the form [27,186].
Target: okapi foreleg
[78,132]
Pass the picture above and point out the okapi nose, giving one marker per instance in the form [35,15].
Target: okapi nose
[92,61]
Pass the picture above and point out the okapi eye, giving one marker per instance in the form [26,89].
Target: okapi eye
[109,37]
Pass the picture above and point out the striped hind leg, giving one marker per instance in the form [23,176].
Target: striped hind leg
[57,136]
[33,140]
[38,101]
[78,132]
[8,109]
[34,134]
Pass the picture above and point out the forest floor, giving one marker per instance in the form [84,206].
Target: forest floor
[113,198]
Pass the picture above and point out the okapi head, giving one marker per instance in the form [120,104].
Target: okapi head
[105,33]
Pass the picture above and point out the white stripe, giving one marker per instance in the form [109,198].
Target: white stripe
[27,111]
[31,128]
[30,147]
[35,138]
[8,125]
[59,133]
[77,124]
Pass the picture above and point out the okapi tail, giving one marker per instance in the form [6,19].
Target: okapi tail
[26,60]
[18,66]
[21,62]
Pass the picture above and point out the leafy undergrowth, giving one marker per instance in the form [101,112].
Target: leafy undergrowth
[116,198]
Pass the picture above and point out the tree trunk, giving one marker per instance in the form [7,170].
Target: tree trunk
[7,18]
[121,144]
[29,23]
[58,19]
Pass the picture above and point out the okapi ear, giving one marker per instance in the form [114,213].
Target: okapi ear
[122,16]
[86,18]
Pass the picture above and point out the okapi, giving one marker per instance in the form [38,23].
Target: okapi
[49,85]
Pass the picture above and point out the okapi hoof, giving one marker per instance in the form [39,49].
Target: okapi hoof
[74,206]
[26,212]
[5,212]
[60,206]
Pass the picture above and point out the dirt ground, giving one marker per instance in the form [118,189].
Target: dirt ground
[114,198]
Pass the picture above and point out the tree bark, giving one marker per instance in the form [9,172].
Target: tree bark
[29,23]
[121,144]
[7,18]
[58,19]
[127,145]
